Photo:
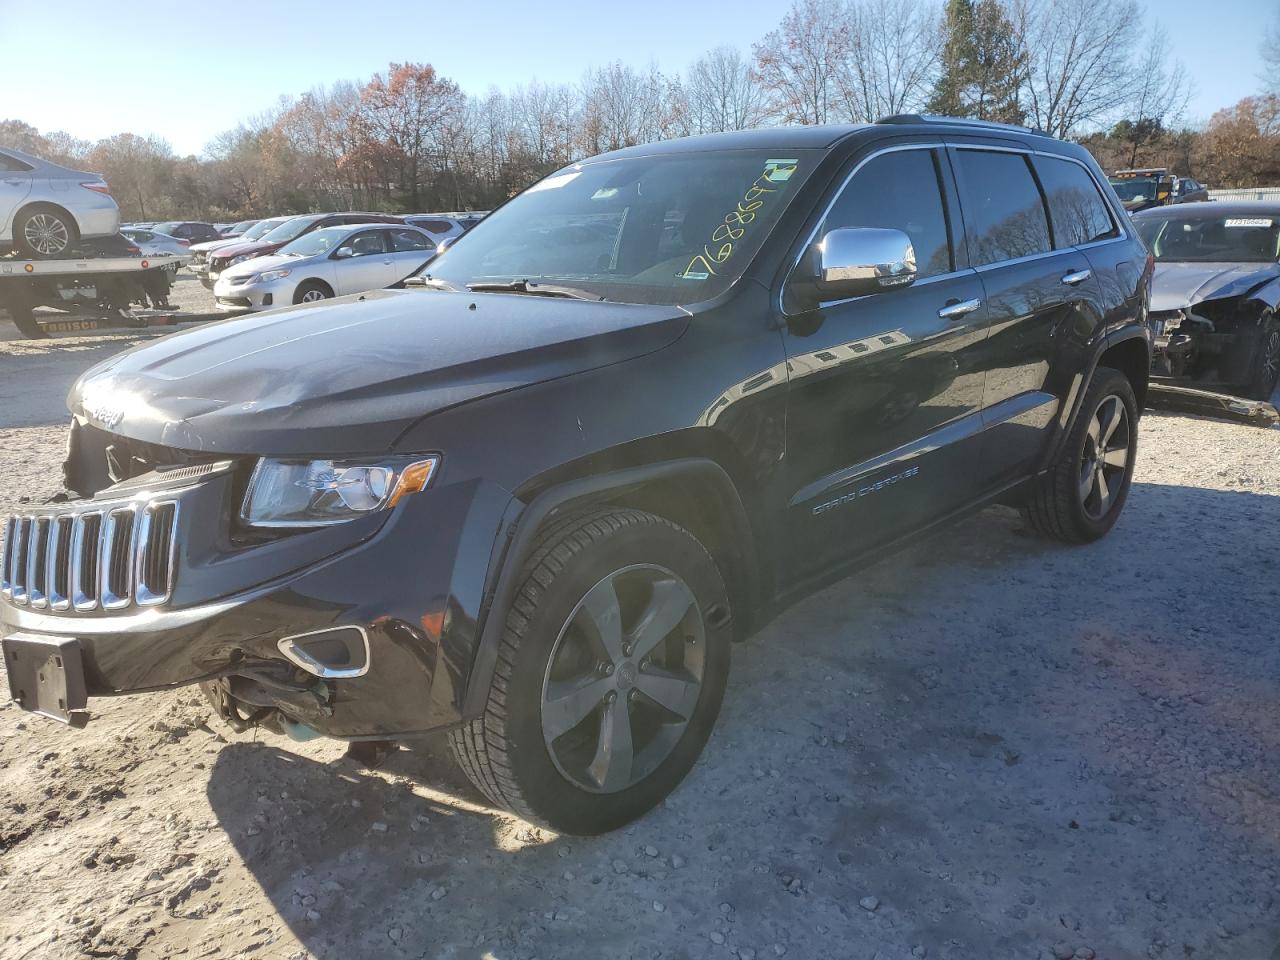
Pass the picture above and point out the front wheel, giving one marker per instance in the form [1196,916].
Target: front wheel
[1266,361]
[609,678]
[311,291]
[1080,496]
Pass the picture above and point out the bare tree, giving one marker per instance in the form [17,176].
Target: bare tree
[722,93]
[1160,96]
[893,57]
[800,63]
[1079,60]
[1271,55]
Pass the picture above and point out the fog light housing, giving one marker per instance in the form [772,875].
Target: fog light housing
[335,653]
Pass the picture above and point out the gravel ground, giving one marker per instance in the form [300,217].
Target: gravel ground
[985,747]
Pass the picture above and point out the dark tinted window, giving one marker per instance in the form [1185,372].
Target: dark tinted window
[12,164]
[435,226]
[1003,211]
[899,190]
[368,243]
[1078,211]
[403,240]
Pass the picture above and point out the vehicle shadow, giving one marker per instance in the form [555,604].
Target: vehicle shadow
[1006,744]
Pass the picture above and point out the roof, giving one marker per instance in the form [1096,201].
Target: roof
[760,138]
[1215,208]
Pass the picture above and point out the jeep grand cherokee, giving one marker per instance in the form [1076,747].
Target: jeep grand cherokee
[531,498]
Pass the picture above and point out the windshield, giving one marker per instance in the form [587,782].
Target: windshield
[262,228]
[674,228]
[316,242]
[1224,239]
[288,230]
[1135,188]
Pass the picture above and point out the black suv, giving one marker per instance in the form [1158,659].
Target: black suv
[531,498]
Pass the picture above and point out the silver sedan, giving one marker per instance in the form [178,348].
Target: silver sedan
[153,244]
[329,262]
[47,209]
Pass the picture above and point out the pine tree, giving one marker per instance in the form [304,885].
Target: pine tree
[981,64]
[957,54]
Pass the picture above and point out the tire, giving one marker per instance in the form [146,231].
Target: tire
[528,752]
[312,291]
[1068,502]
[15,301]
[43,232]
[1266,360]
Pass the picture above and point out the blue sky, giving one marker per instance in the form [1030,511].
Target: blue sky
[194,69]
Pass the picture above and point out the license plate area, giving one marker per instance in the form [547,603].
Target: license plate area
[46,676]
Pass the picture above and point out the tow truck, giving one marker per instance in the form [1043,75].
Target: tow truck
[87,292]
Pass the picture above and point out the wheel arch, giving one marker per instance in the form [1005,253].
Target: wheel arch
[31,204]
[313,282]
[1132,357]
[696,493]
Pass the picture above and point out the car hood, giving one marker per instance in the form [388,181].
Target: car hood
[249,267]
[1179,285]
[210,245]
[350,376]
[255,248]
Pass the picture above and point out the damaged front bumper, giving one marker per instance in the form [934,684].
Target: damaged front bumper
[364,629]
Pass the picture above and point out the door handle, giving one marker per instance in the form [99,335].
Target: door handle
[1079,276]
[388,261]
[14,183]
[962,308]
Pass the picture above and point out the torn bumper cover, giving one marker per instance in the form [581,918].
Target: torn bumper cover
[1258,413]
[360,629]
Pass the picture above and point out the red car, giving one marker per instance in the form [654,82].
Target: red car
[269,243]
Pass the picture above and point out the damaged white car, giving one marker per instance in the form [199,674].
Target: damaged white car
[1215,299]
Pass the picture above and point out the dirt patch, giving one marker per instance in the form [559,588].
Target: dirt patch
[987,746]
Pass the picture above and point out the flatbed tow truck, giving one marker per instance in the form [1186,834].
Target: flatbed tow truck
[86,293]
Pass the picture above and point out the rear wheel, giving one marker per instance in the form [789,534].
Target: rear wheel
[15,301]
[44,232]
[312,291]
[1080,497]
[610,674]
[1266,361]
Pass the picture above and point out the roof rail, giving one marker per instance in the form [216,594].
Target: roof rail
[960,122]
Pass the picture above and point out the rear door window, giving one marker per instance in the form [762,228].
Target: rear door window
[1076,208]
[368,243]
[403,240]
[1004,214]
[899,190]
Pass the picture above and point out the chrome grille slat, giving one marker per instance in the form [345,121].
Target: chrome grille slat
[109,556]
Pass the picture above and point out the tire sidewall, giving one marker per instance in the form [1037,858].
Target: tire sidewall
[560,803]
[1107,383]
[1259,388]
[306,287]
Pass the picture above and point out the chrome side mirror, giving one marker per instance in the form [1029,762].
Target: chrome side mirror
[853,261]
[343,253]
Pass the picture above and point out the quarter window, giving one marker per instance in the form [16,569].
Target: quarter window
[899,190]
[1004,214]
[12,164]
[1078,211]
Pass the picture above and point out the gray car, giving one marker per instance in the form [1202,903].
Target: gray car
[46,209]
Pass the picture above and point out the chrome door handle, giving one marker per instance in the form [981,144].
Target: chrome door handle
[954,311]
[1080,276]
[14,183]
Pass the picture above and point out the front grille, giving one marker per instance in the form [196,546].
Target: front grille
[107,556]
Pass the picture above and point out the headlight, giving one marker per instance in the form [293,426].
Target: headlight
[240,259]
[316,493]
[268,275]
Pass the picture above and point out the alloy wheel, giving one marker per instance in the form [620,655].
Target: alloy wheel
[1271,356]
[46,234]
[623,678]
[1105,457]
[311,296]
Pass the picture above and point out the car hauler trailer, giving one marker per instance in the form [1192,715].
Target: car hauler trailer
[87,293]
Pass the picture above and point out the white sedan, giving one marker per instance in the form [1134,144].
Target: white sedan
[330,262]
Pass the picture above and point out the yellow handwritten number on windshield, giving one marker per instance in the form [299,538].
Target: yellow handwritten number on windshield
[734,225]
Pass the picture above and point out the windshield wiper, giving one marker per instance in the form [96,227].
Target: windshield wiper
[533,288]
